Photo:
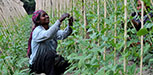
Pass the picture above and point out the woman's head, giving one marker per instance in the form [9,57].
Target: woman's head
[139,5]
[40,17]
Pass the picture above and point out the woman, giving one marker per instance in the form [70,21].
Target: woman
[136,21]
[43,43]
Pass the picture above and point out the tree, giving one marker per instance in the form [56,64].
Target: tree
[29,6]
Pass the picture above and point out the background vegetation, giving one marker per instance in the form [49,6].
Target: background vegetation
[29,6]
[85,55]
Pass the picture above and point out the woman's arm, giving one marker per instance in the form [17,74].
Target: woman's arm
[62,34]
[137,22]
[40,34]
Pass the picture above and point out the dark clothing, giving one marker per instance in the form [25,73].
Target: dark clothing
[44,58]
[137,21]
[44,61]
[48,62]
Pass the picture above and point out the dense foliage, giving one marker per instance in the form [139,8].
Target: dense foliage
[85,55]
[13,48]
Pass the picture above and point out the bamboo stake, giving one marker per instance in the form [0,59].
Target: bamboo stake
[85,21]
[36,6]
[57,8]
[84,14]
[151,2]
[115,34]
[98,20]
[83,17]
[125,32]
[64,9]
[68,5]
[72,7]
[60,7]
[64,6]
[141,59]
[52,7]
[43,4]
[105,13]
[93,7]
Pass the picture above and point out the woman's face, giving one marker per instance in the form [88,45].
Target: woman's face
[139,5]
[44,18]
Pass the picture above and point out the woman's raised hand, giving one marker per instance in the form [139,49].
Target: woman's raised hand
[64,16]
[71,20]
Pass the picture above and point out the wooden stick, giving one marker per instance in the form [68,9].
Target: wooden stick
[72,7]
[68,4]
[115,34]
[151,2]
[52,7]
[64,10]
[98,20]
[84,14]
[83,17]
[141,58]
[57,8]
[125,32]
[60,8]
[93,7]
[64,6]
[105,12]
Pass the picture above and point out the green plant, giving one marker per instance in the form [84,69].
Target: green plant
[85,56]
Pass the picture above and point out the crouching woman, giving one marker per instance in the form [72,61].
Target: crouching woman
[42,44]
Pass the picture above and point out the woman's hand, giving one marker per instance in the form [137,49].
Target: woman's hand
[65,15]
[71,20]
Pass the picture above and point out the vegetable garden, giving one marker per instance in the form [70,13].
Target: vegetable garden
[99,43]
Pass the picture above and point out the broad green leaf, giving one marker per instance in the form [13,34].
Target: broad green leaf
[100,71]
[142,32]
[151,60]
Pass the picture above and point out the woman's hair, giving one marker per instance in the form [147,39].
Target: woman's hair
[36,16]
